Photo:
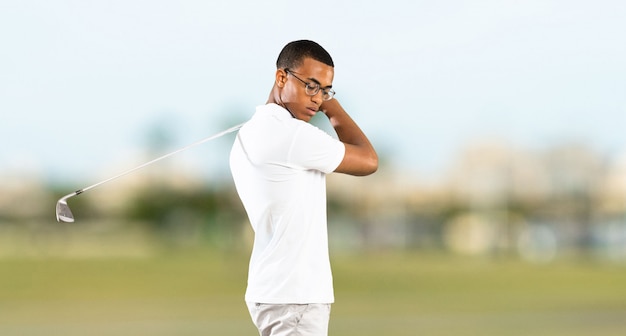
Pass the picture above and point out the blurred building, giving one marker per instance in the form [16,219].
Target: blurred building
[494,199]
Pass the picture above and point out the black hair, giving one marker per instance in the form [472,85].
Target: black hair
[295,52]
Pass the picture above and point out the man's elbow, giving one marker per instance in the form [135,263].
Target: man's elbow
[359,163]
[370,165]
[373,164]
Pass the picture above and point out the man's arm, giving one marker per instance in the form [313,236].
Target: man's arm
[360,158]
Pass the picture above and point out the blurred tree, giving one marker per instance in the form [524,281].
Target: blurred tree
[188,215]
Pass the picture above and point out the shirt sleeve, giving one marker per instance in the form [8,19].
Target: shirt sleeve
[313,148]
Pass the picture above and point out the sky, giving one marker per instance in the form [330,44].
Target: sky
[91,88]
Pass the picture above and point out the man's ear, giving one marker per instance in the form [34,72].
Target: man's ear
[281,78]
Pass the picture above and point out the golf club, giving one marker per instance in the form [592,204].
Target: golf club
[63,212]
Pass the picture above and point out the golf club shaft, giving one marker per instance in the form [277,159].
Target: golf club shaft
[230,130]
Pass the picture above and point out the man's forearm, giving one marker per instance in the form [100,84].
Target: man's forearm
[360,157]
[347,129]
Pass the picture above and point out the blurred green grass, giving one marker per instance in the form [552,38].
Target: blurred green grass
[201,293]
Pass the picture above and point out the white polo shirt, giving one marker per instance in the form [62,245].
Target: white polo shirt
[279,165]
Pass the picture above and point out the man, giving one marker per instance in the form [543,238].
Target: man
[279,162]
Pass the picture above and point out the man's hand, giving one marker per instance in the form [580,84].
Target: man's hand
[332,104]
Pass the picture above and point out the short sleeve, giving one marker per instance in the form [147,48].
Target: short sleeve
[313,148]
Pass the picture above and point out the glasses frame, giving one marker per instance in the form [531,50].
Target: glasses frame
[312,88]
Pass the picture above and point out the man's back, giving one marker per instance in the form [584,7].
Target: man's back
[279,165]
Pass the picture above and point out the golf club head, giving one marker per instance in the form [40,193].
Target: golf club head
[64,214]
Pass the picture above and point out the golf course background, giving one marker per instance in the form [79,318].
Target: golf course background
[168,255]
[200,292]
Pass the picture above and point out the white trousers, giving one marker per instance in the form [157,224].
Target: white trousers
[290,319]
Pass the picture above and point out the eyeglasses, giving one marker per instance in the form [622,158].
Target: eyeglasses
[312,88]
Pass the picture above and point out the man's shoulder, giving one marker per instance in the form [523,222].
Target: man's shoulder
[272,109]
[274,118]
